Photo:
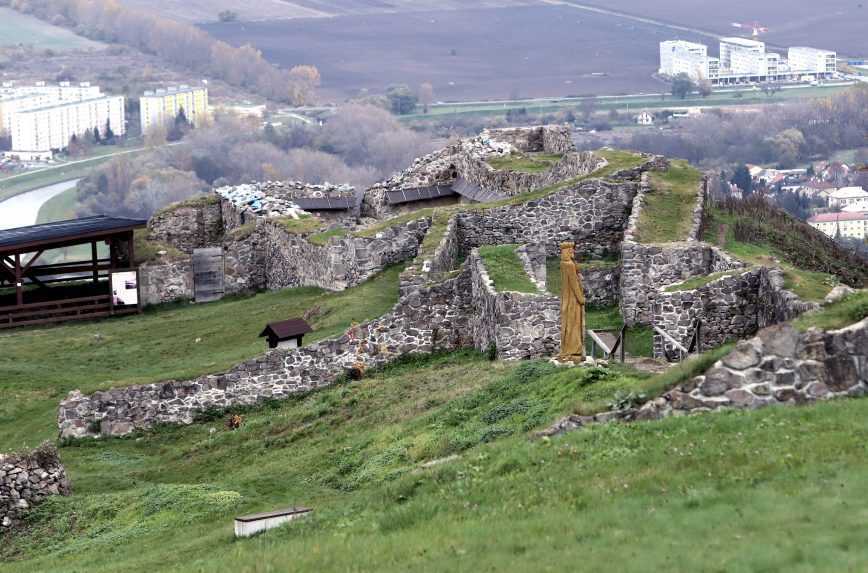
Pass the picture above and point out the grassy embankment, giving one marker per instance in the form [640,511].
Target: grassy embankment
[667,214]
[526,162]
[428,466]
[758,233]
[175,341]
[506,270]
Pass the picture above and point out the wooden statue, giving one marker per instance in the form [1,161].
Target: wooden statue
[572,307]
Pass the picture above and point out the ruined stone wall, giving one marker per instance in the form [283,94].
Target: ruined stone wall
[162,282]
[780,366]
[519,325]
[602,284]
[293,261]
[428,318]
[26,479]
[647,268]
[543,138]
[511,183]
[189,225]
[727,308]
[591,213]
[775,303]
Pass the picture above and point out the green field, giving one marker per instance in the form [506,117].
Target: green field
[667,214]
[175,341]
[20,29]
[621,103]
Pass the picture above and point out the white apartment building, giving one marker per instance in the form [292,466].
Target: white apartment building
[680,57]
[161,107]
[743,57]
[812,61]
[848,225]
[853,197]
[37,132]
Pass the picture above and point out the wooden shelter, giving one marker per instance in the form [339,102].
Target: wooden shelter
[287,333]
[36,290]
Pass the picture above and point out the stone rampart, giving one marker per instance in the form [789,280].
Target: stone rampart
[590,213]
[780,366]
[293,261]
[730,308]
[188,225]
[518,325]
[162,282]
[26,479]
[477,170]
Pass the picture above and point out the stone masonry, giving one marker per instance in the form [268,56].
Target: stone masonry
[780,366]
[188,225]
[26,479]
[517,325]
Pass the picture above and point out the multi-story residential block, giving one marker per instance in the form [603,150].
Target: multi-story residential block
[14,98]
[679,57]
[39,131]
[849,197]
[162,106]
[847,225]
[812,61]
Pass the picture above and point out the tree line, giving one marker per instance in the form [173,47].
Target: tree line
[358,145]
[785,134]
[178,43]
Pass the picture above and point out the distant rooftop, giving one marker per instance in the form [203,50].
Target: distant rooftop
[848,193]
[833,217]
[743,42]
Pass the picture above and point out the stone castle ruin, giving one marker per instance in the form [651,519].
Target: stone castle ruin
[447,300]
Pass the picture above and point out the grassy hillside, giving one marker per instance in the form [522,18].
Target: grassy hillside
[759,233]
[428,466]
[17,28]
[667,214]
[40,366]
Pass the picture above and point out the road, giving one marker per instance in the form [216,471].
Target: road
[22,210]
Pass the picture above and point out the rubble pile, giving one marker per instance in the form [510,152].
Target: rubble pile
[251,199]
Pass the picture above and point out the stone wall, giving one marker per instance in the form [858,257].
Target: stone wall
[590,213]
[602,283]
[518,325]
[162,282]
[189,225]
[28,478]
[780,366]
[731,308]
[428,318]
[293,261]
[647,268]
[476,170]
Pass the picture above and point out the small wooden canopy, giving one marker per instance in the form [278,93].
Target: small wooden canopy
[286,329]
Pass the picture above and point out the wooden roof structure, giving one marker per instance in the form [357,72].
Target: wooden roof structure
[286,329]
[34,290]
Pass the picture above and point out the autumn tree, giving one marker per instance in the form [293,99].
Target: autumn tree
[425,94]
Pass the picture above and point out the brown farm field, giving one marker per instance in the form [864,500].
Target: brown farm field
[258,10]
[831,24]
[527,51]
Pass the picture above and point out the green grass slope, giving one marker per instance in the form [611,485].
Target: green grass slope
[759,233]
[40,366]
[667,214]
[506,270]
[428,466]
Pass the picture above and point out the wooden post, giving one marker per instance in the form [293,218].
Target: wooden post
[623,341]
[19,289]
[94,261]
[132,251]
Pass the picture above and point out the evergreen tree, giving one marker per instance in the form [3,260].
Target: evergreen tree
[743,180]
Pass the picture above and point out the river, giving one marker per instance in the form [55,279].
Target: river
[22,210]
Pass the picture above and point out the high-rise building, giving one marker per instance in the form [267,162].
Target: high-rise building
[162,106]
[38,131]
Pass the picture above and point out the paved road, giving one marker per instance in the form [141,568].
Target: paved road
[22,210]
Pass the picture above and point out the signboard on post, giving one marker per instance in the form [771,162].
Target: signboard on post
[208,274]
[125,289]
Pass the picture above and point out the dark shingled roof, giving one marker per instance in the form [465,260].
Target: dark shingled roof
[419,194]
[324,203]
[287,328]
[47,234]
